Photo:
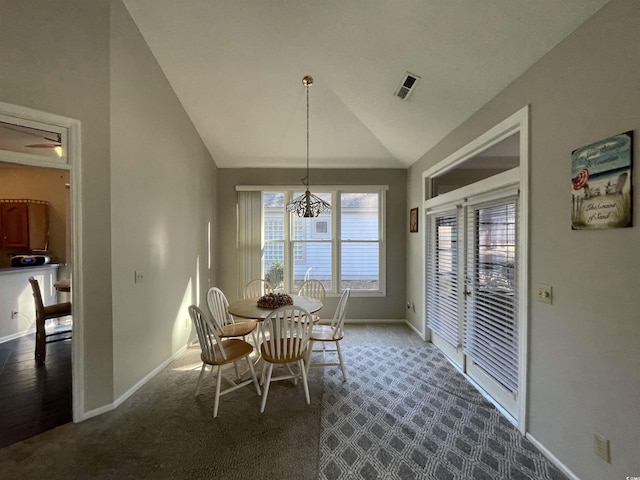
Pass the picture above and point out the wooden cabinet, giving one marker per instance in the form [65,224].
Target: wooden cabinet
[24,224]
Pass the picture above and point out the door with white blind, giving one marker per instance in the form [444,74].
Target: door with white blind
[445,308]
[472,291]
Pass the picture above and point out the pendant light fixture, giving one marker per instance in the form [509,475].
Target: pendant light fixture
[308,205]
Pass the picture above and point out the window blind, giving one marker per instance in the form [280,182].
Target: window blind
[491,327]
[442,276]
[249,238]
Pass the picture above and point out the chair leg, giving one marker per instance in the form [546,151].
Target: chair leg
[253,374]
[216,401]
[204,367]
[304,381]
[295,377]
[262,375]
[235,367]
[307,360]
[265,386]
[344,373]
[41,346]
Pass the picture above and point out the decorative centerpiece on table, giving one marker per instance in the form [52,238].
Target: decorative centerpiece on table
[274,300]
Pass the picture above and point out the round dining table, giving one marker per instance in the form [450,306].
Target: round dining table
[248,307]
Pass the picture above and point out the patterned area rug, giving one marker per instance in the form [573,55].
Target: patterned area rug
[407,413]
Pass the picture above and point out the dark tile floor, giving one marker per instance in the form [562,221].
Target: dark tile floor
[33,399]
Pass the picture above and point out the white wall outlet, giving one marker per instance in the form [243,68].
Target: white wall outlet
[544,293]
[601,447]
[139,276]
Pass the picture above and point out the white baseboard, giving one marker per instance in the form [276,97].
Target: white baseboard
[372,320]
[13,336]
[94,413]
[547,453]
[418,332]
[132,390]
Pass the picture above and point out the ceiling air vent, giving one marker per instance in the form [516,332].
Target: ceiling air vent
[408,83]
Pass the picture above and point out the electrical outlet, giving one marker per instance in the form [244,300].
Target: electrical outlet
[14,314]
[139,276]
[544,293]
[601,447]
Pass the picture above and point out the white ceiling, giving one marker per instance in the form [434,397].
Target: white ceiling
[237,66]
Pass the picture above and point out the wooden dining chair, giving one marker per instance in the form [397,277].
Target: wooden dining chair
[257,288]
[219,309]
[315,289]
[285,338]
[217,353]
[229,328]
[44,313]
[324,334]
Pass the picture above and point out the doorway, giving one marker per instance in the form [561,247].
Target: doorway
[475,252]
[38,152]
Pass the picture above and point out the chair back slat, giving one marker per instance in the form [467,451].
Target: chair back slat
[218,307]
[285,332]
[37,296]
[257,288]
[341,310]
[313,288]
[208,335]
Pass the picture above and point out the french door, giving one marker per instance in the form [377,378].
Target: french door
[472,293]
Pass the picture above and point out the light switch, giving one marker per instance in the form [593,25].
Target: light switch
[544,293]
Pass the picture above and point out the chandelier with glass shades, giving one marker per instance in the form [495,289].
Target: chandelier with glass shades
[307,205]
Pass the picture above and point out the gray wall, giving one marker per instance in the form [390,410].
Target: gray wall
[149,189]
[55,58]
[584,360]
[389,308]
[162,204]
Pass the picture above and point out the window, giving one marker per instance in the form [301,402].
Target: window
[359,241]
[273,220]
[342,248]
[322,227]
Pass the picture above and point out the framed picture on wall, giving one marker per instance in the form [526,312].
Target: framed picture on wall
[413,220]
[601,184]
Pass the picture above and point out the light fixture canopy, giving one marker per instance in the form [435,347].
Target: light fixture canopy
[307,205]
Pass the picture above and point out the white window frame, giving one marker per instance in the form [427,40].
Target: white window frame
[335,191]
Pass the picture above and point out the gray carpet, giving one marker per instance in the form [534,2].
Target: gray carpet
[164,432]
[404,413]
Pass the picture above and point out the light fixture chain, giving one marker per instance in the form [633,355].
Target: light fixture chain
[307,184]
[307,205]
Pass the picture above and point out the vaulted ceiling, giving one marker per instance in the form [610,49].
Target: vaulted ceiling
[237,66]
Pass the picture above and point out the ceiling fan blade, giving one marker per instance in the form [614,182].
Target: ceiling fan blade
[44,145]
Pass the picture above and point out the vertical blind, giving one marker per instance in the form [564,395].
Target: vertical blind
[491,310]
[442,276]
[249,238]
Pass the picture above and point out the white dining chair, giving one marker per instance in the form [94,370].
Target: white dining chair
[285,338]
[217,353]
[324,334]
[315,289]
[229,328]
[257,288]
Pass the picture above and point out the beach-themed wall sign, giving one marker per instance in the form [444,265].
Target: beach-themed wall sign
[601,184]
